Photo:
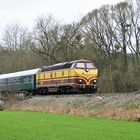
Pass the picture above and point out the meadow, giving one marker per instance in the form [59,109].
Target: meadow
[17,125]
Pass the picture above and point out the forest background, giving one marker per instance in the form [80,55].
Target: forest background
[108,36]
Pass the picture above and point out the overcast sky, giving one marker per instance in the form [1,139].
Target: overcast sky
[26,11]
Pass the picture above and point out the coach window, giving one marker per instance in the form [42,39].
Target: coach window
[19,79]
[29,79]
[14,80]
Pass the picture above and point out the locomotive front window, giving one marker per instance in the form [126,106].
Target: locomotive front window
[80,65]
[90,66]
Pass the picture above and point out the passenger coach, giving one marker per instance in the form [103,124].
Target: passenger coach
[18,81]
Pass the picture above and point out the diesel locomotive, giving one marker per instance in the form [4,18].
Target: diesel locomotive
[79,76]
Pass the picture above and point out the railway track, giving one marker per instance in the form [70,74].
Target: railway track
[123,105]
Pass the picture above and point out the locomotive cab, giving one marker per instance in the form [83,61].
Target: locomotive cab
[86,69]
[85,74]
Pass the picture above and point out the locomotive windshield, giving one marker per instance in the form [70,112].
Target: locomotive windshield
[88,65]
[80,65]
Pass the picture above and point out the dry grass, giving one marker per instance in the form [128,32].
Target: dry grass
[111,113]
[120,113]
[118,106]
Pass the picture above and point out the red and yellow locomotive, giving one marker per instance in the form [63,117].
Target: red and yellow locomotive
[78,75]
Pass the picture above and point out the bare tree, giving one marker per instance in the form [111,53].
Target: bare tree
[52,40]
[71,41]
[109,30]
[46,38]
[15,42]
[134,34]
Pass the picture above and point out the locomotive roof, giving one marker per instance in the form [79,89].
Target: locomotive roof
[63,63]
[81,60]
[20,73]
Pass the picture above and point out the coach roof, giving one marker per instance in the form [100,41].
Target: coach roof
[20,73]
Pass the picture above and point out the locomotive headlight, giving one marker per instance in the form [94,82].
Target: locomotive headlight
[80,81]
[95,81]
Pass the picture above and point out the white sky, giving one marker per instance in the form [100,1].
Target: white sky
[26,11]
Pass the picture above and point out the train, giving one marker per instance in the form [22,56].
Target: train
[78,76]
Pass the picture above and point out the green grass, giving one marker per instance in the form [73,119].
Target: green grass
[16,125]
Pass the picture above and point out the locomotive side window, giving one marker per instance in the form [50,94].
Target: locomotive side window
[58,67]
[67,65]
[46,69]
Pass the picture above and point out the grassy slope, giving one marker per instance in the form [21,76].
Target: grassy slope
[44,126]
